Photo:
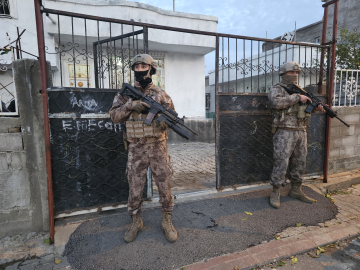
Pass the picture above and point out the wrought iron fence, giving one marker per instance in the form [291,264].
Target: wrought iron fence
[346,90]
[93,53]
[247,65]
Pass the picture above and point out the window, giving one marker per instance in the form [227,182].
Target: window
[317,40]
[159,78]
[207,101]
[4,7]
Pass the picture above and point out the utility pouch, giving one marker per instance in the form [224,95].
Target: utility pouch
[301,112]
[135,128]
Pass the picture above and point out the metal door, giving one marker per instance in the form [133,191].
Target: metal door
[87,150]
[246,70]
[245,140]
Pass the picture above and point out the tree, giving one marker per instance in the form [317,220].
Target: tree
[348,49]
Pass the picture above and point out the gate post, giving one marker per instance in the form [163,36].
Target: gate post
[217,122]
[330,85]
[43,78]
[146,39]
[323,42]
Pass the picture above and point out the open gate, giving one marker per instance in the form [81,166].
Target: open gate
[87,154]
[247,69]
[87,150]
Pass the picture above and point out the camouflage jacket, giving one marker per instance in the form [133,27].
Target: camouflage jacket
[122,107]
[280,100]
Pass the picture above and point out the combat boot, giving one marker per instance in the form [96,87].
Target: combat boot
[296,193]
[135,226]
[275,197]
[166,225]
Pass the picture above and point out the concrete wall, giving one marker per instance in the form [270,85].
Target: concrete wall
[349,15]
[344,141]
[184,78]
[204,128]
[23,187]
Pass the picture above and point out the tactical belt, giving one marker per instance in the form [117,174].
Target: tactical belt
[274,129]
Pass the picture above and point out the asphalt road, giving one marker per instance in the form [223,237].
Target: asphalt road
[206,228]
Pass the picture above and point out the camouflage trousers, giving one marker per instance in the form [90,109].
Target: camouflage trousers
[290,150]
[140,157]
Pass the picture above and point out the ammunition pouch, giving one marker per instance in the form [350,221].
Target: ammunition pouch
[136,129]
[303,116]
[296,109]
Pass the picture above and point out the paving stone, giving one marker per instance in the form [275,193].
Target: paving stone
[33,261]
[13,267]
[240,263]
[47,259]
[64,263]
[47,266]
[266,254]
[31,266]
[193,165]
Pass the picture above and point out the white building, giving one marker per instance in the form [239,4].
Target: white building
[180,55]
[258,73]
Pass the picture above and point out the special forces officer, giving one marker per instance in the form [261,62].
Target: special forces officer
[290,139]
[147,147]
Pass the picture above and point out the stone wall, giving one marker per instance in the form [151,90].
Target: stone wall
[344,141]
[23,186]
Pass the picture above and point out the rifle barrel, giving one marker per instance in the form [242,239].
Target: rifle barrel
[342,121]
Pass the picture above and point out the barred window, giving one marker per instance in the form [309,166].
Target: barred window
[4,7]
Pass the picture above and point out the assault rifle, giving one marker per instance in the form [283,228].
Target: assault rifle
[155,109]
[296,89]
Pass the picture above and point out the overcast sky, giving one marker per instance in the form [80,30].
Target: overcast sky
[250,17]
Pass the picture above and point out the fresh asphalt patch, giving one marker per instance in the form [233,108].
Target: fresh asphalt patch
[206,228]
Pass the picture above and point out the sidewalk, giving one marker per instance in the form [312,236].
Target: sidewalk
[297,240]
[208,227]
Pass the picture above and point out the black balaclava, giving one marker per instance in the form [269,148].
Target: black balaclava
[143,77]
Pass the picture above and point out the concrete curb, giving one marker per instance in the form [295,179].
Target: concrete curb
[339,181]
[280,249]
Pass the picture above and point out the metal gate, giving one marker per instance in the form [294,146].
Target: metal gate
[245,149]
[88,156]
[248,68]
[86,148]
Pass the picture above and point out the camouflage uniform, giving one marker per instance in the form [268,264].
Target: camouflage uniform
[290,139]
[145,152]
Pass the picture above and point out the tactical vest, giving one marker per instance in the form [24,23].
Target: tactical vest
[136,129]
[296,109]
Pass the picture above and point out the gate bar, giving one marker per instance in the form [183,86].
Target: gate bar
[118,37]
[330,87]
[217,121]
[323,41]
[95,50]
[43,79]
[176,29]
